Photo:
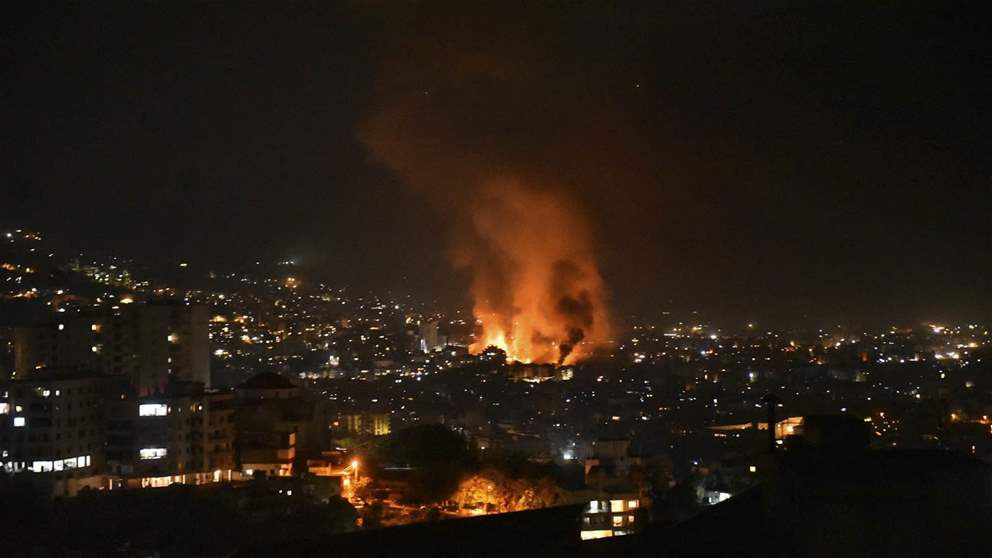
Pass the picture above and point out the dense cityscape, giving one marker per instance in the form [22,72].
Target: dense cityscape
[495,279]
[271,382]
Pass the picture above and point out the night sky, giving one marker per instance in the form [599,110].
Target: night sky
[752,161]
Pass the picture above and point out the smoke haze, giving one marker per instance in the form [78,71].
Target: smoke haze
[455,127]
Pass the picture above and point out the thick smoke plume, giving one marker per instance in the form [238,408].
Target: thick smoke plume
[455,124]
[537,290]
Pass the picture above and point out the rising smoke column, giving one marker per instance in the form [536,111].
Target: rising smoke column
[537,290]
[456,124]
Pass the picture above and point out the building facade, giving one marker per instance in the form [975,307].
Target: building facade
[53,428]
[152,344]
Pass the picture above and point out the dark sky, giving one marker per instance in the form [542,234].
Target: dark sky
[749,160]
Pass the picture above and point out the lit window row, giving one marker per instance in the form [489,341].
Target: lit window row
[153,410]
[152,453]
[49,466]
[602,506]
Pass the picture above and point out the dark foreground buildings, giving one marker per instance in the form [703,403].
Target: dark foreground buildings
[116,397]
[826,494]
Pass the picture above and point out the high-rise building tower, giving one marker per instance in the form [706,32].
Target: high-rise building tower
[153,344]
[429,340]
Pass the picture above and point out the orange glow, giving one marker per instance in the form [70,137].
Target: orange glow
[537,289]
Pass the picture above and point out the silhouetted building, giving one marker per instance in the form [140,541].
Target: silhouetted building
[618,503]
[273,423]
[430,341]
[185,435]
[267,385]
[152,343]
[53,428]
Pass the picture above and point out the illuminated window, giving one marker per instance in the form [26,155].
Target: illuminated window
[753,469]
[152,453]
[20,421]
[617,520]
[632,504]
[4,408]
[616,505]
[596,534]
[153,410]
[41,466]
[173,338]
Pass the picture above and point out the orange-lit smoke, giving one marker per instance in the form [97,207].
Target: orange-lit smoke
[536,288]
[456,125]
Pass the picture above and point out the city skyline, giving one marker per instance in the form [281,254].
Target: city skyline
[513,278]
[261,398]
[786,167]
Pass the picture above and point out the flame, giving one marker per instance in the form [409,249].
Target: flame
[537,289]
[476,147]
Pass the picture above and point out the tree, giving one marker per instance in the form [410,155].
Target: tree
[438,456]
[493,491]
[341,515]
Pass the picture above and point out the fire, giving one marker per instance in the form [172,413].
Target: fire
[470,146]
[537,289]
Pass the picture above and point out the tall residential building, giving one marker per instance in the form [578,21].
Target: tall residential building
[429,339]
[53,428]
[153,344]
[65,430]
[183,436]
[6,352]
[273,424]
